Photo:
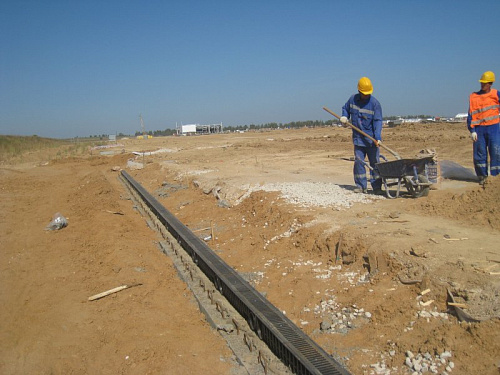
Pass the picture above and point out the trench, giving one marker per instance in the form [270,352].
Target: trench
[245,318]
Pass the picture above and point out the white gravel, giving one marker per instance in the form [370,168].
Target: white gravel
[316,194]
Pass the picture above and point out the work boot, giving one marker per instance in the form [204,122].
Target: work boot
[378,192]
[482,180]
[360,190]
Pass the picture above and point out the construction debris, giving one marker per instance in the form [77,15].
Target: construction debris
[111,291]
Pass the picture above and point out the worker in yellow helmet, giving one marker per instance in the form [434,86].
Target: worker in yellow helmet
[365,112]
[483,124]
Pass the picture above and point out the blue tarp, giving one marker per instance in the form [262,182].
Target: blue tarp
[454,171]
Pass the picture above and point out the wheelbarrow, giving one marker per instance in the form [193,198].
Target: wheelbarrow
[417,175]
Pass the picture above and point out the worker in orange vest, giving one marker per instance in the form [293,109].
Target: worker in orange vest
[483,124]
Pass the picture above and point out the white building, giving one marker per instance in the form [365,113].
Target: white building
[193,129]
[461,117]
[412,120]
[188,129]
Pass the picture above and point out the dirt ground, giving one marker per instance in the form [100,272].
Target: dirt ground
[315,263]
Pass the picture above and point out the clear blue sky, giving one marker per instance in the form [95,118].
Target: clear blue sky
[79,68]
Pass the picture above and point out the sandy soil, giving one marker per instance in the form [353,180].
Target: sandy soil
[312,262]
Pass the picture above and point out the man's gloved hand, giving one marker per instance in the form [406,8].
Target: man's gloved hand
[343,120]
[473,136]
[378,143]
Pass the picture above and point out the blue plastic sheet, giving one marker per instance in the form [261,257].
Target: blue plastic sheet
[454,171]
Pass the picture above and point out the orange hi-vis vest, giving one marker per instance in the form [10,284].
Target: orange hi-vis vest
[484,109]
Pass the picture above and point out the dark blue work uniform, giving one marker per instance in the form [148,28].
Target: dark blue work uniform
[367,116]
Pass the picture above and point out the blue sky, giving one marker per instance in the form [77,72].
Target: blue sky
[79,68]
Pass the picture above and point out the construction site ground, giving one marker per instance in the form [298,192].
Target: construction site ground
[252,197]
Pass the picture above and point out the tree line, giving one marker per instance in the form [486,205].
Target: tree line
[268,125]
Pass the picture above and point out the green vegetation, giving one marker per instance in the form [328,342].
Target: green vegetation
[391,118]
[275,125]
[156,133]
[11,145]
[269,125]
[29,148]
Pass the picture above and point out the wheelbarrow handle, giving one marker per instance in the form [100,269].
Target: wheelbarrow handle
[364,163]
[396,155]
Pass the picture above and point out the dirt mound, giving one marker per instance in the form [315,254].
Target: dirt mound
[49,326]
[476,207]
[94,190]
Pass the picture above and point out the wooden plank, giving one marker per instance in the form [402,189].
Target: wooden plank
[456,304]
[111,291]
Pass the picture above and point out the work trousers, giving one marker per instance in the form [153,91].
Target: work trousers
[488,143]
[360,152]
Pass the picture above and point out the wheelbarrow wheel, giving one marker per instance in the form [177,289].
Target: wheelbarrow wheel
[417,190]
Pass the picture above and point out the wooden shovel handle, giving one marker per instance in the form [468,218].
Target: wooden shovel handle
[396,155]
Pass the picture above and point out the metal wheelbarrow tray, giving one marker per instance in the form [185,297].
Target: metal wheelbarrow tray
[416,174]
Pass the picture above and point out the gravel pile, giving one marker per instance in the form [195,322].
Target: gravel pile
[422,363]
[419,364]
[317,194]
[344,320]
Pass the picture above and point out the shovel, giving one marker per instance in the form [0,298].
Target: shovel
[396,155]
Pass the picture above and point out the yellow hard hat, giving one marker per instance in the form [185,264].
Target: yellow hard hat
[488,76]
[365,86]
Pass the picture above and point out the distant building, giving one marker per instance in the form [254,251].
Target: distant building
[462,117]
[193,129]
[188,129]
[412,120]
[394,123]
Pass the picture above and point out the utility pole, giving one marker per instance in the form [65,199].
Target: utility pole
[142,127]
